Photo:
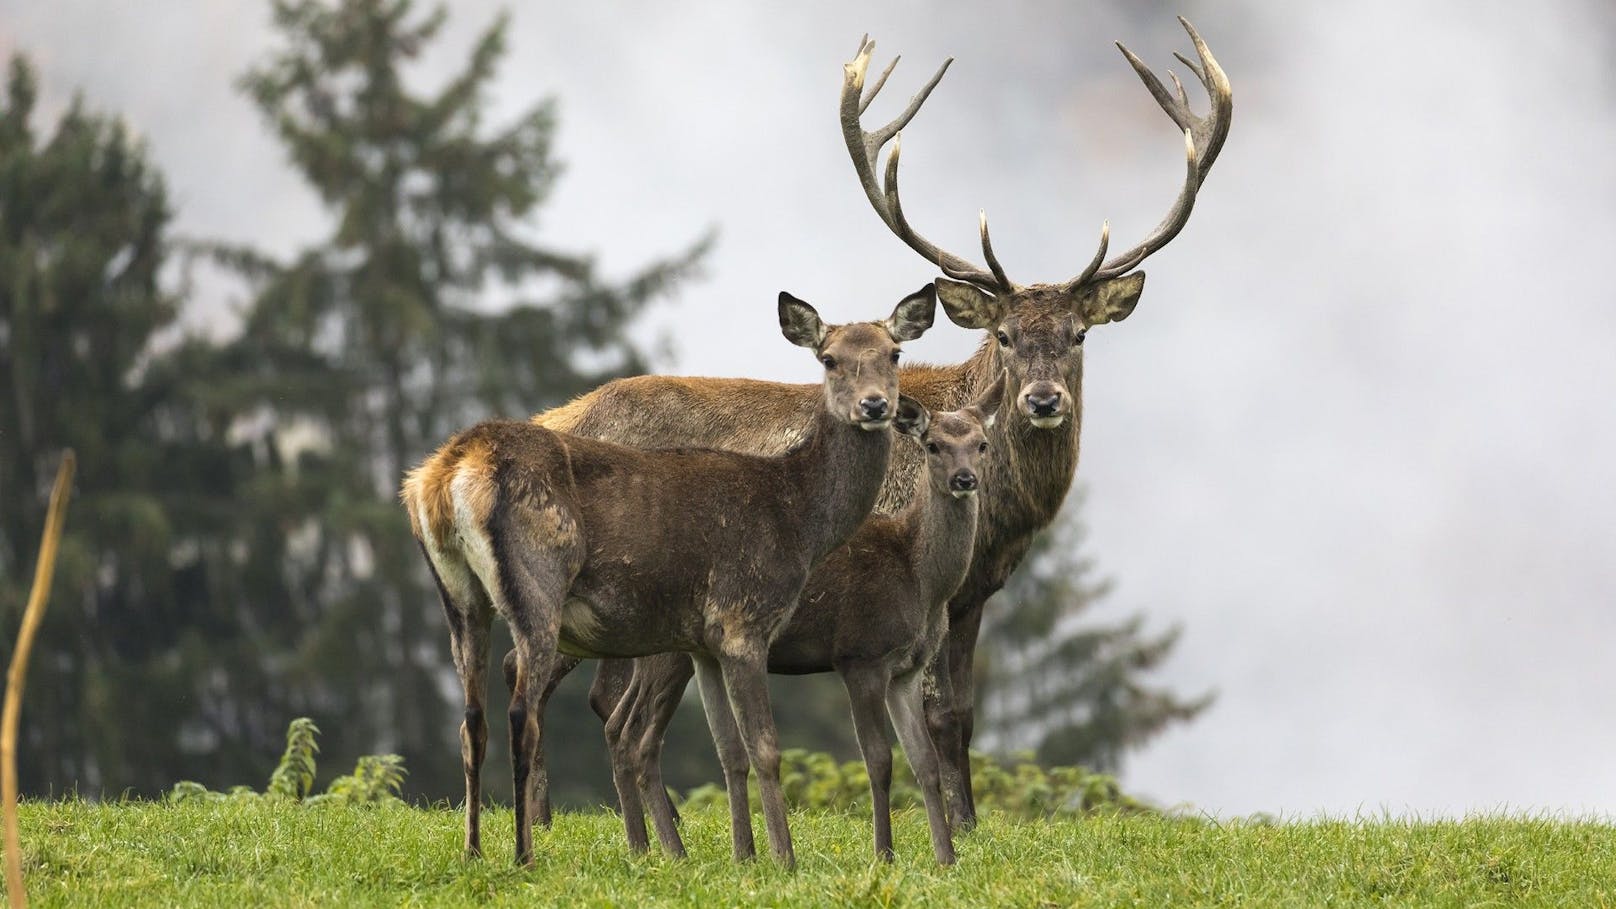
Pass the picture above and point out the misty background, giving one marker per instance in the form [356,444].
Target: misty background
[1357,437]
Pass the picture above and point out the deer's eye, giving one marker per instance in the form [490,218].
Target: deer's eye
[932,447]
[1079,336]
[982,448]
[1004,339]
[829,361]
[895,355]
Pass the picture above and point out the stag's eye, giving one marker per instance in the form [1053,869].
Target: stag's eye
[982,448]
[1004,339]
[829,361]
[932,447]
[1077,338]
[895,355]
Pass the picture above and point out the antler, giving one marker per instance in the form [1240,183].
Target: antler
[865,148]
[1203,139]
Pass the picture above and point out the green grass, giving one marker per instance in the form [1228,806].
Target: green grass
[260,852]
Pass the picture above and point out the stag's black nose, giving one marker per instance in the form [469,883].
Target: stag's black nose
[962,481]
[1044,405]
[873,407]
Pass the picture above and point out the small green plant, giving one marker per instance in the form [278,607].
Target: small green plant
[1018,787]
[294,775]
[376,779]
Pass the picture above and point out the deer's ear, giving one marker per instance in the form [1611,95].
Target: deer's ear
[986,406]
[912,418]
[800,322]
[969,306]
[1113,300]
[913,314]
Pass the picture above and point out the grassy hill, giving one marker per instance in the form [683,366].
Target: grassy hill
[263,852]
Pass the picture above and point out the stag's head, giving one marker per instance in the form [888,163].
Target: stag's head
[956,441]
[1038,329]
[860,358]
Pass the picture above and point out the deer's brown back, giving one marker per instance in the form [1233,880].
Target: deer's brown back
[741,415]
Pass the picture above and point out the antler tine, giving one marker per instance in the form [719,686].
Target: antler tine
[865,149]
[987,252]
[1203,139]
[1216,83]
[876,88]
[1099,256]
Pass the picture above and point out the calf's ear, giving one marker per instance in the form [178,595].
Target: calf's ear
[912,419]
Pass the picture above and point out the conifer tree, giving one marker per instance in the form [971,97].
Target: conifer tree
[125,677]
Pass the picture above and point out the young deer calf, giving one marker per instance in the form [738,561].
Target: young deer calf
[874,611]
[606,550]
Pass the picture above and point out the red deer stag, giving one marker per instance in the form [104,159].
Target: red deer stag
[607,550]
[1035,331]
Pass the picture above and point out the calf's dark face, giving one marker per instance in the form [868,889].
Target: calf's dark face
[860,358]
[956,442]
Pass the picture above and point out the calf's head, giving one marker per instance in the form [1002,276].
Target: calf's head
[955,441]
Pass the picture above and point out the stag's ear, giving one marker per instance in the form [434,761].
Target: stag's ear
[969,306]
[913,314]
[912,419]
[986,406]
[800,323]
[1113,300]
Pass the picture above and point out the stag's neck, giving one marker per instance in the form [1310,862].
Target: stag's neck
[837,472]
[942,529]
[1029,470]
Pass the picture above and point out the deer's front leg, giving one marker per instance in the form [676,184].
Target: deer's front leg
[745,679]
[866,690]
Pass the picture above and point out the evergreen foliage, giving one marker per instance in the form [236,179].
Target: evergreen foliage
[126,666]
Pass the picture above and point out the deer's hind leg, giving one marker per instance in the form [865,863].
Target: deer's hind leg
[466,606]
[655,709]
[564,665]
[537,553]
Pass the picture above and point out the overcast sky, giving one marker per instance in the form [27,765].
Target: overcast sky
[1357,438]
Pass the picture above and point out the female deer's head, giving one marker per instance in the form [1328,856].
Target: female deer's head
[860,358]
